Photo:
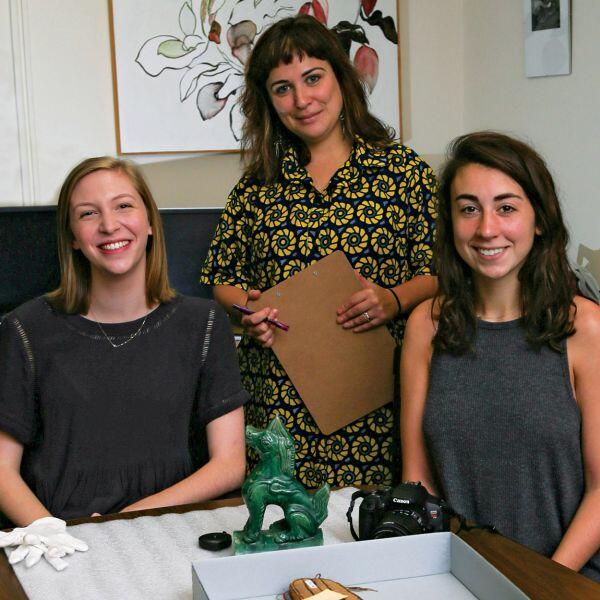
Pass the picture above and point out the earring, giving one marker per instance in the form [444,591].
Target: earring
[342,118]
[278,143]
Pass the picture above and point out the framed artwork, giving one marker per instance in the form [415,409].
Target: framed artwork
[178,65]
[547,37]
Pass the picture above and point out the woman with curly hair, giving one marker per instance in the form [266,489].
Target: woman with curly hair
[500,372]
[321,174]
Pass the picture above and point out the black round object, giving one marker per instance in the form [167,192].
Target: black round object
[219,540]
[398,523]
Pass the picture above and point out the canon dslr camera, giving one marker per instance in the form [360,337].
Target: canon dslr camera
[404,510]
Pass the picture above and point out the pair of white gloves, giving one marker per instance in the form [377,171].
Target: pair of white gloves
[45,537]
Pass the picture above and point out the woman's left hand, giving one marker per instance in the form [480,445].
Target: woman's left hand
[370,307]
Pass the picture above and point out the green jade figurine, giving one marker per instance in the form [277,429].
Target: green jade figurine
[272,482]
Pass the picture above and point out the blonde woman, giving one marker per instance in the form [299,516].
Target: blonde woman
[116,394]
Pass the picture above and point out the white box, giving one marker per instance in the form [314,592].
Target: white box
[425,567]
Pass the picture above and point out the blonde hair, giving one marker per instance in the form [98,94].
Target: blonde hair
[72,294]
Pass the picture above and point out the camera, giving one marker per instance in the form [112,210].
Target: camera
[405,509]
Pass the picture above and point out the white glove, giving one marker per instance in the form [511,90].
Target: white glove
[45,537]
[32,549]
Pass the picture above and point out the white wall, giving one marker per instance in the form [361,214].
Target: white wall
[61,59]
[10,148]
[71,86]
[432,49]
[559,115]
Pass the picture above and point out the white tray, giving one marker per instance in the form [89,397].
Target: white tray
[425,567]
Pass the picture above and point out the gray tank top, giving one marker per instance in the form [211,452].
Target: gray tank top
[503,431]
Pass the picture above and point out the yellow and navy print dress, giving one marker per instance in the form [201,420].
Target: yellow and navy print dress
[379,209]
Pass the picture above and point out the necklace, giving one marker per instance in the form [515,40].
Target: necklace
[131,337]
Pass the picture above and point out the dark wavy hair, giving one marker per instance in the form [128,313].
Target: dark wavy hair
[547,281]
[298,36]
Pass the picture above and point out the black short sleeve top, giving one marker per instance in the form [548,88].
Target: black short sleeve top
[103,426]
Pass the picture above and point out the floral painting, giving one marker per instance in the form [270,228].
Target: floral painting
[179,64]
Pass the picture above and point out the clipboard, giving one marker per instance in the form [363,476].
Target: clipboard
[340,375]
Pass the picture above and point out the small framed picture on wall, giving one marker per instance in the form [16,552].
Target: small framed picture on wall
[547,37]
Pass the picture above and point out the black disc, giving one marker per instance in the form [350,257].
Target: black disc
[218,540]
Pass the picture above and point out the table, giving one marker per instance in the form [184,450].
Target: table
[539,577]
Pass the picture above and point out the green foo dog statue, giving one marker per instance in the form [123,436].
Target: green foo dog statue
[272,482]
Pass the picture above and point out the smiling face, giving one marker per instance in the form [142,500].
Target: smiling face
[493,222]
[110,224]
[307,98]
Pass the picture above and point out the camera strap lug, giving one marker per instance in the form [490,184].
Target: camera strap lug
[358,494]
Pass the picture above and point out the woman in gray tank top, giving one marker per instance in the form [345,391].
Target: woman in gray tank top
[500,373]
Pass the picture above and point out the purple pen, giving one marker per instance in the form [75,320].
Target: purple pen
[248,311]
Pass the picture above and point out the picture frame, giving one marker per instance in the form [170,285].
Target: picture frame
[178,68]
[547,25]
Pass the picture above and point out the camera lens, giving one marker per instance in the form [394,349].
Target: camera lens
[397,523]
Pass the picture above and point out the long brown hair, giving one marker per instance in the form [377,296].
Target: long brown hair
[72,295]
[263,132]
[547,281]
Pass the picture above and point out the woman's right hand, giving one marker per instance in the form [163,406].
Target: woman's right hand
[256,326]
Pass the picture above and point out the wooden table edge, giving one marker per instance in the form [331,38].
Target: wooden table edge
[513,560]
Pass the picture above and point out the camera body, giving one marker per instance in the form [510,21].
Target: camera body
[403,510]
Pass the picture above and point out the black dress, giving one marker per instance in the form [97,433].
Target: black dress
[103,427]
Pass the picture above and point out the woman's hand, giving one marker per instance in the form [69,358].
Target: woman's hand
[256,325]
[368,308]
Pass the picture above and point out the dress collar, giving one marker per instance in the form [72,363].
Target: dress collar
[364,155]
[291,169]
[367,155]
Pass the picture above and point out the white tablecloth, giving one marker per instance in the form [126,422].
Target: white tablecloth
[150,558]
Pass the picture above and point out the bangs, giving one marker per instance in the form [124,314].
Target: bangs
[299,46]
[296,42]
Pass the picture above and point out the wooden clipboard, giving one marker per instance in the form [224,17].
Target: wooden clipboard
[341,376]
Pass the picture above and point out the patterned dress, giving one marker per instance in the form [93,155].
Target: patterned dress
[379,209]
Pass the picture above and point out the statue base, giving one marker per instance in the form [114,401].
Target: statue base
[266,540]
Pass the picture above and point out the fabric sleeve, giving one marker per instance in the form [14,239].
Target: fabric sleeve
[228,260]
[220,388]
[17,393]
[422,212]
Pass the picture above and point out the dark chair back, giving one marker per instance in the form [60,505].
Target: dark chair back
[29,259]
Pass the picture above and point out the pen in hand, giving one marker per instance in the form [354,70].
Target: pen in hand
[247,311]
